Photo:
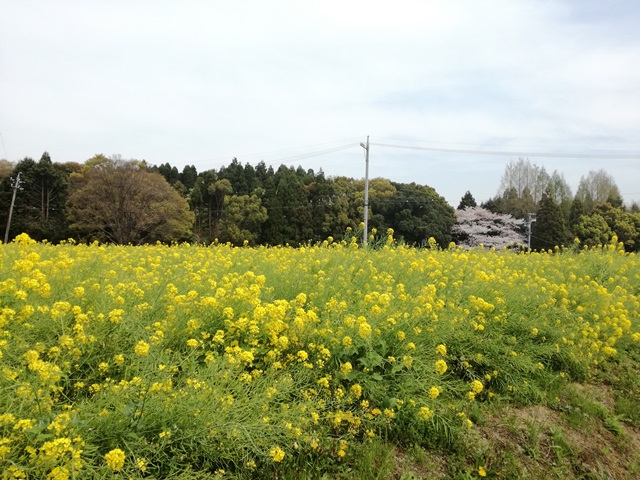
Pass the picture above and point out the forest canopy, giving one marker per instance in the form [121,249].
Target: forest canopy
[114,200]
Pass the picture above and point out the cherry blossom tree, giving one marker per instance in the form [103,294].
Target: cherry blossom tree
[478,226]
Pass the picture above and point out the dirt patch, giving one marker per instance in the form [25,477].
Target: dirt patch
[579,438]
[419,463]
[598,393]
[541,444]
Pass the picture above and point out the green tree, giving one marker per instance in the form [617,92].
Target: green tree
[120,201]
[242,219]
[170,173]
[417,212]
[467,201]
[593,230]
[561,192]
[348,204]
[189,176]
[39,208]
[622,223]
[578,209]
[322,196]
[217,192]
[550,229]
[289,210]
[381,191]
[235,174]
[512,203]
[206,199]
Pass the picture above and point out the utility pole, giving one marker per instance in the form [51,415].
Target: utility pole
[16,185]
[530,219]
[365,233]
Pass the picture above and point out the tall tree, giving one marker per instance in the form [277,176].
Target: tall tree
[598,187]
[593,230]
[321,194]
[242,219]
[550,229]
[39,208]
[561,192]
[120,201]
[577,210]
[512,203]
[217,192]
[189,176]
[170,173]
[235,173]
[417,212]
[622,223]
[523,175]
[289,210]
[467,201]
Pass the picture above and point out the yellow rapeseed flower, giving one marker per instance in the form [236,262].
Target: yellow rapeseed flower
[425,413]
[441,366]
[356,390]
[476,386]
[364,329]
[142,348]
[115,459]
[277,454]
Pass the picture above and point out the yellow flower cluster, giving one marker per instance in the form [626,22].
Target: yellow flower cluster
[115,459]
[303,350]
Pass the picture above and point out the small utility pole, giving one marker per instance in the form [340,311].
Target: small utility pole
[16,185]
[530,219]
[365,233]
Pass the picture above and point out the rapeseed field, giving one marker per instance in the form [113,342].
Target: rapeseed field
[216,361]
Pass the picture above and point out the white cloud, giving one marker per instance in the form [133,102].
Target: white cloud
[198,82]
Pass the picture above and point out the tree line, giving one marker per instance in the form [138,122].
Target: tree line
[111,199]
[127,201]
[594,215]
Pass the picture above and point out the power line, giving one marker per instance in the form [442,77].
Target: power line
[511,154]
[509,145]
[3,147]
[352,142]
[302,156]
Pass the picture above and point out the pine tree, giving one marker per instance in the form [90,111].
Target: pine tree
[577,210]
[467,201]
[550,229]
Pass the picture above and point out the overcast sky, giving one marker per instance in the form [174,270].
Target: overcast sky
[201,82]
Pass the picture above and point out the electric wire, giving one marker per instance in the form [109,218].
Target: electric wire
[507,145]
[302,156]
[511,154]
[3,147]
[282,151]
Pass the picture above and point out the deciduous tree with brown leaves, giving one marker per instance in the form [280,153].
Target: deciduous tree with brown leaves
[120,201]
